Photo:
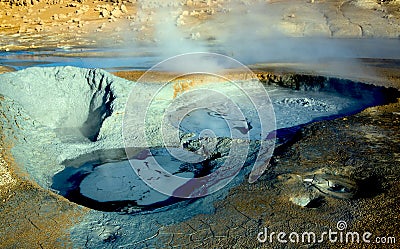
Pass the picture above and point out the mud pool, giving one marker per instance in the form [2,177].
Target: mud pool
[110,183]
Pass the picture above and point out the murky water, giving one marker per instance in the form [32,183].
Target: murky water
[86,58]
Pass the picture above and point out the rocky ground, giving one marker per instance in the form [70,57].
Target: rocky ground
[65,23]
[362,147]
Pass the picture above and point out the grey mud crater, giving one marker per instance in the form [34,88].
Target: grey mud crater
[69,139]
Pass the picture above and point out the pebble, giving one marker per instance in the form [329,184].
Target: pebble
[104,13]
[124,9]
[116,13]
[302,201]
[180,21]
[195,36]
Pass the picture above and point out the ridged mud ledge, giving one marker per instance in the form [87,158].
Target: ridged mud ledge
[361,147]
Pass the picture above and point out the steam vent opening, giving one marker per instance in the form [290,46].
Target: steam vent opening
[104,179]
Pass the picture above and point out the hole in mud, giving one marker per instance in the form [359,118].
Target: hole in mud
[104,180]
[316,203]
[369,187]
[97,114]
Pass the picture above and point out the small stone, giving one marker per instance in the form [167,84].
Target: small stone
[210,11]
[104,13]
[124,9]
[179,22]
[302,201]
[185,13]
[116,13]
[195,36]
